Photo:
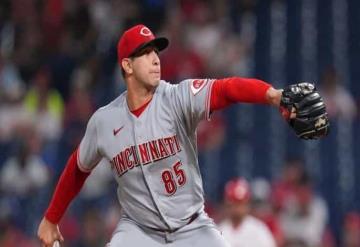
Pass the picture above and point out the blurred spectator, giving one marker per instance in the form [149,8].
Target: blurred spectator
[107,18]
[351,230]
[189,63]
[11,84]
[83,35]
[93,230]
[46,105]
[240,228]
[328,239]
[304,217]
[78,108]
[231,57]
[24,173]
[29,43]
[11,236]
[339,102]
[211,134]
[71,229]
[53,23]
[204,30]
[263,210]
[283,190]
[12,90]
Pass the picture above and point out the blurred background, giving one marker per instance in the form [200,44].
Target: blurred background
[58,64]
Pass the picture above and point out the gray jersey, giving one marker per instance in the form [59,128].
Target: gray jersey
[153,156]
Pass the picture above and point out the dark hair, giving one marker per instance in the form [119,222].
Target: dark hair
[305,179]
[123,73]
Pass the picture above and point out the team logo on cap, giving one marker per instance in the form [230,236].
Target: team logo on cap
[145,31]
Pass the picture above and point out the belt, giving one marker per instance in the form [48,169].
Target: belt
[192,218]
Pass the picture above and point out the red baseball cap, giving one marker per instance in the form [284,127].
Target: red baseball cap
[136,38]
[237,190]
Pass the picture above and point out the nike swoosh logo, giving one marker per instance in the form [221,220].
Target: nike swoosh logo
[116,131]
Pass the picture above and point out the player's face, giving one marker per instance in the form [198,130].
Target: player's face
[146,67]
[238,210]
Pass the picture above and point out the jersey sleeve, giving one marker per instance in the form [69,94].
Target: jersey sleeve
[88,154]
[192,100]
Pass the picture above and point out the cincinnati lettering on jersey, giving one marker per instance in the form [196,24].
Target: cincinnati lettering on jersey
[145,153]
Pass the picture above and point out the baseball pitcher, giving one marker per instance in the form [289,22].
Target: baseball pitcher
[147,135]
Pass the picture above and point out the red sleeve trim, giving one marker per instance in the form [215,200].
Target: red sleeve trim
[69,185]
[80,166]
[234,90]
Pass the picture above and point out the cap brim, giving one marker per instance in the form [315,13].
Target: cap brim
[160,43]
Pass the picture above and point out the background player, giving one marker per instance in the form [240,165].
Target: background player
[148,137]
[240,228]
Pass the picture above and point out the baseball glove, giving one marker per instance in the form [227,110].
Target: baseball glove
[304,110]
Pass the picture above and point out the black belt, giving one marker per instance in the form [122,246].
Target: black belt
[192,218]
